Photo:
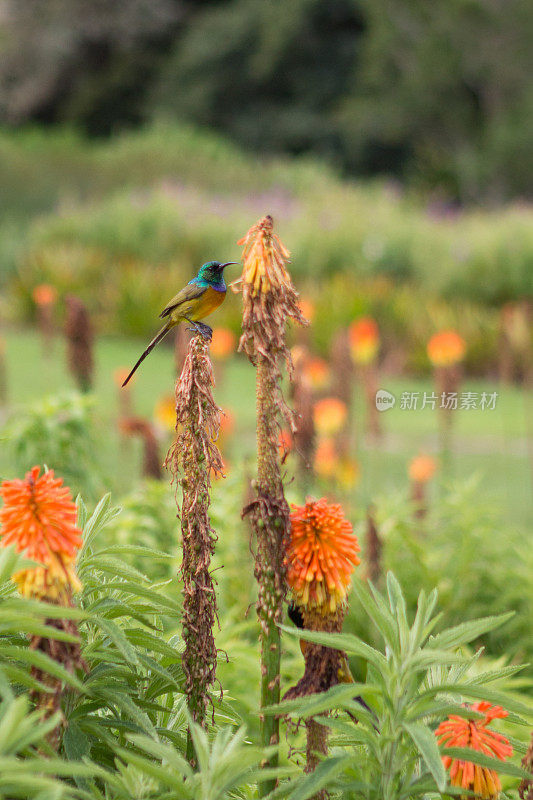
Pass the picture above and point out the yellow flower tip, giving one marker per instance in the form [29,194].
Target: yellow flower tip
[329,416]
[446,348]
[364,340]
[321,555]
[264,258]
[475,734]
[422,468]
[55,583]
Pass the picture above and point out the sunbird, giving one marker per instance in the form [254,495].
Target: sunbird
[199,298]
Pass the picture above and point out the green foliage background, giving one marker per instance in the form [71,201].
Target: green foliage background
[439,96]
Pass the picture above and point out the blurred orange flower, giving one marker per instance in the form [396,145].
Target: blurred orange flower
[284,442]
[316,373]
[326,458]
[120,375]
[364,340]
[44,295]
[39,518]
[474,734]
[223,343]
[165,412]
[446,348]
[321,555]
[347,473]
[329,416]
[422,468]
[227,423]
[307,307]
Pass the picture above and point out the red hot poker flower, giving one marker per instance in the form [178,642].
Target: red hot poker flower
[321,555]
[39,517]
[474,734]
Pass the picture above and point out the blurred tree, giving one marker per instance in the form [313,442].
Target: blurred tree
[82,61]
[439,95]
[448,86]
[270,74]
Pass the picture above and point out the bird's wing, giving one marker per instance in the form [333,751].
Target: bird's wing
[189,292]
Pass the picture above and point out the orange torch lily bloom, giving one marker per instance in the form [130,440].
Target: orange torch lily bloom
[446,349]
[329,416]
[321,555]
[364,340]
[474,733]
[39,518]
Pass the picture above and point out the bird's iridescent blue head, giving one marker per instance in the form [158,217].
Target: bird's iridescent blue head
[212,272]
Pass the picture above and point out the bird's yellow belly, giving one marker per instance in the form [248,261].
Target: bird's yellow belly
[202,306]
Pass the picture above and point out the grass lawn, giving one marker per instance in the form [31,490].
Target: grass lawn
[491,443]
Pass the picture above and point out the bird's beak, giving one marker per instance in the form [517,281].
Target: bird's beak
[228,263]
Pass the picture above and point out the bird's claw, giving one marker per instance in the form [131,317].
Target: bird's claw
[205,331]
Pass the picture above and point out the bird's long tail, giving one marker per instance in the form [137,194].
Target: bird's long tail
[157,338]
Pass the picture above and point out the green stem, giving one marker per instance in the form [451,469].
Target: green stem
[270,526]
[317,745]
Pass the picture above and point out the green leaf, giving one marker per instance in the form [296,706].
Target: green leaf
[75,743]
[119,639]
[467,631]
[341,641]
[322,777]
[427,746]
[36,658]
[336,697]
[503,767]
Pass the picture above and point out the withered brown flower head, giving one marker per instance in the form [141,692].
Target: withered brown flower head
[269,296]
[192,459]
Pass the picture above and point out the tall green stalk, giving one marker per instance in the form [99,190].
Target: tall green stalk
[269,298]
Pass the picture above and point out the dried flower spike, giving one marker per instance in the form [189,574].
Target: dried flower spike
[193,458]
[269,296]
[79,335]
[474,734]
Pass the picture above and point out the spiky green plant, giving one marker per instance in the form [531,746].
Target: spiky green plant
[414,681]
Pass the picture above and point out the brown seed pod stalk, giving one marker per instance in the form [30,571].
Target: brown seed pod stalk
[192,459]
